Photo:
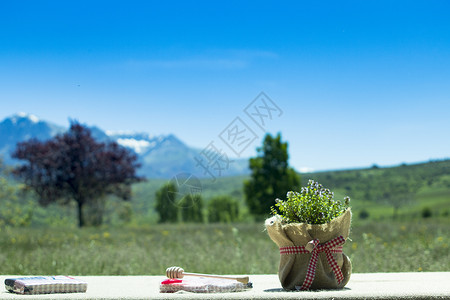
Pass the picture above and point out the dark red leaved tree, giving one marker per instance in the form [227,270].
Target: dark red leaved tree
[74,167]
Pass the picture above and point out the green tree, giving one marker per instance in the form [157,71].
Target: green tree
[191,208]
[224,209]
[271,176]
[125,213]
[165,203]
[15,208]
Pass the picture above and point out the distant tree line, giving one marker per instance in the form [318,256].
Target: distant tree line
[173,207]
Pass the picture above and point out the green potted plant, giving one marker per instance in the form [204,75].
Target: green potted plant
[310,228]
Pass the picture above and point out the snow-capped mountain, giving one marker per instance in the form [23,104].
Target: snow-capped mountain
[161,156]
[138,142]
[21,127]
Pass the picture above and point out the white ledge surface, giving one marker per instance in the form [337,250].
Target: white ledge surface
[426,285]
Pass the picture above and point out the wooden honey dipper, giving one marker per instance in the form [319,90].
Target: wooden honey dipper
[177,272]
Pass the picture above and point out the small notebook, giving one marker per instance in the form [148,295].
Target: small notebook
[45,285]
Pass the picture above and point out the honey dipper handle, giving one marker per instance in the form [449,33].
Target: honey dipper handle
[242,279]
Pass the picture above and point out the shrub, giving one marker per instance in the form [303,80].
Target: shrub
[191,208]
[426,213]
[165,203]
[363,214]
[223,209]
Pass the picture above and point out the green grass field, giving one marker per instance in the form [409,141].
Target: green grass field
[383,246]
[50,243]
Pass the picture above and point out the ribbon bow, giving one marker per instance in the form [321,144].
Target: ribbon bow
[313,247]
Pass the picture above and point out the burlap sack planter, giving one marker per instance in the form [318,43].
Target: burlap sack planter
[311,255]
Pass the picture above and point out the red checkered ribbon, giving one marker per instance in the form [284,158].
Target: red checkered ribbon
[313,247]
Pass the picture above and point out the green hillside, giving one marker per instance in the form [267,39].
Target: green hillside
[423,186]
[427,187]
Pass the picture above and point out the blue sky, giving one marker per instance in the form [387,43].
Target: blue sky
[358,82]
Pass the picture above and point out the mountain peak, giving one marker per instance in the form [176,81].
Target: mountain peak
[137,145]
[129,134]
[24,116]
